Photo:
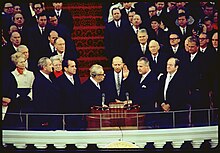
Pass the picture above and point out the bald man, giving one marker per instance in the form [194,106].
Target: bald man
[60,46]
[117,81]
[157,58]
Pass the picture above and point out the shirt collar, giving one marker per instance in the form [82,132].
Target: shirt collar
[95,83]
[14,47]
[46,75]
[144,75]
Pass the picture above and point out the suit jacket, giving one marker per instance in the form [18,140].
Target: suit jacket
[46,96]
[133,54]
[9,88]
[90,95]
[109,86]
[160,66]
[124,14]
[145,92]
[181,54]
[114,39]
[196,75]
[70,102]
[66,18]
[176,94]
[37,43]
[179,32]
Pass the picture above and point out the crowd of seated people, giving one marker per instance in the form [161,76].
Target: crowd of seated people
[164,54]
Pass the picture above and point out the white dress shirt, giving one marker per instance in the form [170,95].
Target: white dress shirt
[202,49]
[96,83]
[117,23]
[144,76]
[70,77]
[168,79]
[45,75]
[192,56]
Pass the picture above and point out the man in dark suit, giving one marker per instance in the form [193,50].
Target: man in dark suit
[183,29]
[196,74]
[68,84]
[175,49]
[38,38]
[60,46]
[62,31]
[127,8]
[8,95]
[157,58]
[19,21]
[115,35]
[9,49]
[37,7]
[46,98]
[146,88]
[117,82]
[50,46]
[133,31]
[63,16]
[93,88]
[173,95]
[137,50]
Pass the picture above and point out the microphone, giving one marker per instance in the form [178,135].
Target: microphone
[127,98]
[103,99]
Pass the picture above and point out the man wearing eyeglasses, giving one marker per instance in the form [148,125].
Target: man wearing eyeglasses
[175,49]
[92,88]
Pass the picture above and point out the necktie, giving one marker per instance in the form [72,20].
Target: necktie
[118,85]
[98,85]
[117,24]
[143,49]
[58,14]
[184,31]
[72,81]
[154,60]
[42,31]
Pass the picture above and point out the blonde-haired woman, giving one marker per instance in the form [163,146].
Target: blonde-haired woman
[24,79]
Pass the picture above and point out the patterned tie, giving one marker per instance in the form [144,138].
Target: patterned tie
[118,85]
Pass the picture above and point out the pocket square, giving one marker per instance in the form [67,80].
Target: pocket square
[143,86]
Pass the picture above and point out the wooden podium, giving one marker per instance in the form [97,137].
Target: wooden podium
[114,116]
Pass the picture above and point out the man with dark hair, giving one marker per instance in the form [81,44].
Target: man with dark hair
[146,89]
[69,84]
[115,34]
[38,38]
[183,29]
